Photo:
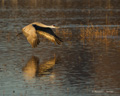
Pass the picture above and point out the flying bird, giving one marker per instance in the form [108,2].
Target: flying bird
[32,30]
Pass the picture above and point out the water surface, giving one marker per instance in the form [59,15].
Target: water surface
[78,67]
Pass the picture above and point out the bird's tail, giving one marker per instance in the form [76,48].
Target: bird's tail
[58,40]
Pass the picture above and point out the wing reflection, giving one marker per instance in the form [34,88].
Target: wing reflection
[46,66]
[30,68]
[33,68]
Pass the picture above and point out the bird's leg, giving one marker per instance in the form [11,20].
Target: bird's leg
[19,34]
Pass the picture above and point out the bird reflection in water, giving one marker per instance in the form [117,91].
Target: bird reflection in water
[33,68]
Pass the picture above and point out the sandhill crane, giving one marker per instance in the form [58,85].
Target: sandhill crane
[32,30]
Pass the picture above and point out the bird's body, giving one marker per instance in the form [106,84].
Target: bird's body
[32,30]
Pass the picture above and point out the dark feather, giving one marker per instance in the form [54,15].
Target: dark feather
[49,32]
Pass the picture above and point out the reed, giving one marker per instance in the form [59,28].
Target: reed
[96,32]
[91,35]
[89,32]
[100,36]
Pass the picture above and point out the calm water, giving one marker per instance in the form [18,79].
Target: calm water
[75,68]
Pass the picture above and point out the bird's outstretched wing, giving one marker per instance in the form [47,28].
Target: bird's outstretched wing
[48,33]
[33,41]
[31,35]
